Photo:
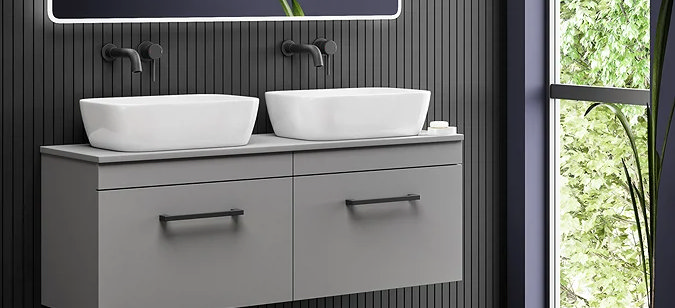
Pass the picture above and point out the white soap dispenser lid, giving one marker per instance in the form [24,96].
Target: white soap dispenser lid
[439,124]
[441,128]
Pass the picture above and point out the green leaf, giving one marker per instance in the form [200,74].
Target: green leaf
[655,164]
[591,108]
[297,10]
[659,53]
[286,7]
[637,222]
[665,138]
[629,133]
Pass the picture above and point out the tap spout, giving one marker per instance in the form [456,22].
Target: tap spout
[289,48]
[111,52]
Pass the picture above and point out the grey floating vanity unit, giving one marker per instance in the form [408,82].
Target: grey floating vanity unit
[273,221]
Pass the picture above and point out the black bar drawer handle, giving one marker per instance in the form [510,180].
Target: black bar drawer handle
[230,213]
[409,197]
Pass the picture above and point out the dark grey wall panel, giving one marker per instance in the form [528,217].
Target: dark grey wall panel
[453,48]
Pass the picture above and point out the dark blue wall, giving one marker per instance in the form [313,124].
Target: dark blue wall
[527,158]
[665,229]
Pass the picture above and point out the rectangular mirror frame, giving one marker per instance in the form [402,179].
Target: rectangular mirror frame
[56,20]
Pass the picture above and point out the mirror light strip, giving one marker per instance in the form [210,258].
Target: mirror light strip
[50,13]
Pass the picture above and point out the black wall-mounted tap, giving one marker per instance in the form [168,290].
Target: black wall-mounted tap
[111,52]
[290,48]
[147,51]
[320,48]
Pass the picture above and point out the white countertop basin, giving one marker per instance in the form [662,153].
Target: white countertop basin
[351,113]
[171,122]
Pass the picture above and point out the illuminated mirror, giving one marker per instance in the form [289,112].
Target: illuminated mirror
[96,11]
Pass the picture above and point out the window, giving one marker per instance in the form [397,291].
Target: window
[599,53]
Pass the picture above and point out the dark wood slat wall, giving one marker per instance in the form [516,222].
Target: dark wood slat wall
[452,48]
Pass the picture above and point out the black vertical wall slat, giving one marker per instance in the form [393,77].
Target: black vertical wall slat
[136,80]
[28,167]
[368,44]
[38,130]
[449,47]
[422,291]
[330,34]
[421,49]
[126,76]
[476,150]
[181,53]
[298,65]
[375,53]
[69,69]
[309,72]
[320,74]
[384,299]
[5,277]
[382,54]
[105,68]
[391,298]
[191,57]
[17,152]
[97,62]
[489,127]
[245,55]
[200,58]
[150,87]
[171,72]
[353,71]
[440,58]
[263,66]
[462,73]
[431,297]
[114,67]
[77,58]
[480,166]
[415,300]
[345,53]
[344,299]
[6,121]
[59,86]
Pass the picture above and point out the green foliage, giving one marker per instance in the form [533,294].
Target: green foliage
[603,43]
[600,262]
[292,10]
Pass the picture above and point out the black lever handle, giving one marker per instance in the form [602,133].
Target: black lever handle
[327,48]
[150,51]
[409,197]
[230,213]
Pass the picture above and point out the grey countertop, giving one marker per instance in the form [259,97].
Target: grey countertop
[259,144]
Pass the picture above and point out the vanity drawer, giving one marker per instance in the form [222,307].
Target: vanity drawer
[200,263]
[377,158]
[197,170]
[345,249]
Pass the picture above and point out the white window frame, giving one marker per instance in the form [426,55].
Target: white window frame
[557,92]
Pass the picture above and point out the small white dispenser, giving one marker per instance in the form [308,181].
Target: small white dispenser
[441,128]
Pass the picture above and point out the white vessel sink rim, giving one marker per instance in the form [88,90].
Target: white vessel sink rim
[178,99]
[168,122]
[347,92]
[347,113]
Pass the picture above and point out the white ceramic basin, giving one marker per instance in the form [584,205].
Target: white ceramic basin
[354,113]
[172,122]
